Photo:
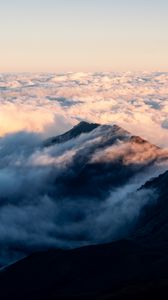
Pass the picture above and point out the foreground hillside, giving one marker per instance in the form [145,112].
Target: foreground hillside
[127,267]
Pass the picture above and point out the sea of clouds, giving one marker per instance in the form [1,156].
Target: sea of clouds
[52,103]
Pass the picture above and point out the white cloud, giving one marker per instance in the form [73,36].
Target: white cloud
[52,103]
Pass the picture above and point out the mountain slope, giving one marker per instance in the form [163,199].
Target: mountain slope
[80,191]
[153,223]
[127,268]
[94,272]
[90,271]
[94,189]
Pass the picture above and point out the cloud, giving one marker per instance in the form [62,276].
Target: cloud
[140,152]
[48,195]
[135,101]
[17,117]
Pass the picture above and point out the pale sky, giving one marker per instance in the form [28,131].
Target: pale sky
[83,35]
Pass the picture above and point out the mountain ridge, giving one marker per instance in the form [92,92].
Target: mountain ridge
[104,162]
[82,127]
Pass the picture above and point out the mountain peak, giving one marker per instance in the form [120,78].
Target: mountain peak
[108,131]
[82,127]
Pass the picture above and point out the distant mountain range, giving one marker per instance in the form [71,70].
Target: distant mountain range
[133,266]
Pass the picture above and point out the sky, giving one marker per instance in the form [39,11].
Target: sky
[78,35]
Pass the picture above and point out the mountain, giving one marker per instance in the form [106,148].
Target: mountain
[105,156]
[82,127]
[109,213]
[94,271]
[121,269]
[153,223]
[85,127]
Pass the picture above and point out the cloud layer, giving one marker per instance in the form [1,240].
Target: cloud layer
[51,103]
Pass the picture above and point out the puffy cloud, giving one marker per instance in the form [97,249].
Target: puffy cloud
[136,101]
[17,117]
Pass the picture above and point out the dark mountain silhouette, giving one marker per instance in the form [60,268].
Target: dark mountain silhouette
[96,271]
